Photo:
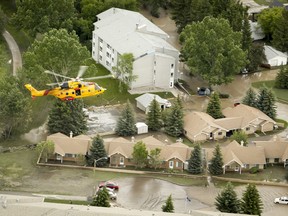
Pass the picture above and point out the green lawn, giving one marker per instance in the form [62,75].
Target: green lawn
[281,94]
[268,2]
[73,202]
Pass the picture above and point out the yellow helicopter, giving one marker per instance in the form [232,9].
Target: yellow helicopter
[72,89]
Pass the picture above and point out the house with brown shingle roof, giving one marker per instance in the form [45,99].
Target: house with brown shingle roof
[173,156]
[68,148]
[238,158]
[199,126]
[276,151]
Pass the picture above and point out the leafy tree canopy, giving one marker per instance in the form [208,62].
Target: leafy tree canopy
[213,50]
[57,51]
[45,148]
[240,136]
[256,56]
[140,154]
[15,108]
[40,16]
[3,20]
[280,35]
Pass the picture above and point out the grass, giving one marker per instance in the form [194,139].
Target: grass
[281,94]
[271,173]
[268,2]
[60,201]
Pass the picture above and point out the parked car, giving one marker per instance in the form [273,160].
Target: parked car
[281,200]
[111,192]
[204,91]
[109,184]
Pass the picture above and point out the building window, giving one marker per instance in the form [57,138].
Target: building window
[276,160]
[219,133]
[177,164]
[101,40]
[107,54]
[100,48]
[172,74]
[248,128]
[112,59]
[108,46]
[172,66]
[100,57]
[93,53]
[107,63]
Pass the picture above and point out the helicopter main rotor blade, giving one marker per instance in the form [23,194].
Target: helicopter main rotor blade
[98,77]
[53,84]
[81,71]
[55,74]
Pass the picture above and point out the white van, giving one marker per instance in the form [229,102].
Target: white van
[281,200]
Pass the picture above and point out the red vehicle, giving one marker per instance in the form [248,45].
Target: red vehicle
[108,184]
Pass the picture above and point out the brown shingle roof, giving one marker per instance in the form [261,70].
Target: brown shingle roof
[66,145]
[274,149]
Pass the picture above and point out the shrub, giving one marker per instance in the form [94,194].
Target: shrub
[254,170]
[224,95]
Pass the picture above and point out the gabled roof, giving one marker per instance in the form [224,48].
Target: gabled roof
[271,53]
[274,149]
[231,123]
[125,148]
[199,122]
[146,99]
[66,145]
[234,152]
[249,115]
[129,31]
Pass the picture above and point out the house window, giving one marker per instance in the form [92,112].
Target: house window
[171,164]
[276,160]
[219,133]
[177,164]
[248,128]
[121,160]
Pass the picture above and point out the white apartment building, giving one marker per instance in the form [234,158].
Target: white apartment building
[119,31]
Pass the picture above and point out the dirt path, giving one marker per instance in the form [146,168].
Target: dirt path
[15,51]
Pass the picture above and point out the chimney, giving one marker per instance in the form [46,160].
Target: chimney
[137,26]
[71,134]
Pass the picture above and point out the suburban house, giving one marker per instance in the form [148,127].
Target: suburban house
[143,102]
[239,158]
[173,156]
[68,148]
[276,151]
[118,31]
[275,57]
[199,126]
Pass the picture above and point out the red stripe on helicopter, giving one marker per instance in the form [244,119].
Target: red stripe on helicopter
[46,92]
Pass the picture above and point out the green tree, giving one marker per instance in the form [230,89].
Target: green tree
[256,56]
[57,51]
[199,9]
[154,116]
[216,163]
[40,16]
[180,11]
[3,20]
[126,122]
[101,199]
[246,34]
[124,71]
[140,154]
[266,102]
[97,151]
[227,200]
[195,162]
[174,123]
[240,136]
[213,50]
[168,207]
[45,149]
[280,33]
[281,80]
[15,108]
[268,19]
[154,158]
[214,106]
[67,116]
[251,201]
[250,98]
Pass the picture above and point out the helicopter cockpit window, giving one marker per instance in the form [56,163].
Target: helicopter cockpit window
[64,85]
[97,87]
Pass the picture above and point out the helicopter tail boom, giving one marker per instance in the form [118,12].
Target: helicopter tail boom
[35,92]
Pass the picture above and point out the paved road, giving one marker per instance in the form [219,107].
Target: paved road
[15,51]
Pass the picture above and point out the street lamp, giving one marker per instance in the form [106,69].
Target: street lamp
[95,161]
